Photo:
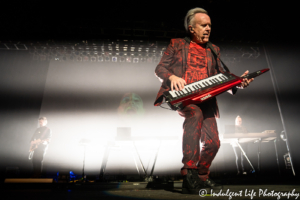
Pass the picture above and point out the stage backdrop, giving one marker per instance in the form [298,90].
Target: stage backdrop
[91,100]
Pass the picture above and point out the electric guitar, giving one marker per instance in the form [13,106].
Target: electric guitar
[34,146]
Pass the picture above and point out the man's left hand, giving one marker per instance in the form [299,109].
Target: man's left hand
[245,82]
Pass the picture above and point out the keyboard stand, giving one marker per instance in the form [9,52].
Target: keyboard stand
[266,136]
[244,153]
[110,146]
[138,162]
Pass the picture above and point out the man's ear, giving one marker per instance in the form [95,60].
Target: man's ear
[191,29]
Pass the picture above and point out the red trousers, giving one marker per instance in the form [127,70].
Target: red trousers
[199,125]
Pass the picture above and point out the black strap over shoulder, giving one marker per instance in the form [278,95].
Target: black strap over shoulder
[234,89]
[187,39]
[216,56]
[209,44]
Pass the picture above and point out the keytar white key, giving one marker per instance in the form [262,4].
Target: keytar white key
[173,94]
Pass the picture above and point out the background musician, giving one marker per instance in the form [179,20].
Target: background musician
[39,144]
[184,61]
[239,128]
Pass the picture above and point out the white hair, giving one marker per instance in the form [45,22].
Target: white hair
[189,18]
[236,119]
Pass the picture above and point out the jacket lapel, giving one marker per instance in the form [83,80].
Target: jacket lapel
[185,51]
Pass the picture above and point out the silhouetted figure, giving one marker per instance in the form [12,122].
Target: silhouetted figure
[39,144]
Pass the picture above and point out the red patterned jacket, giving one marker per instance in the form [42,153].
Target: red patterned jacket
[174,62]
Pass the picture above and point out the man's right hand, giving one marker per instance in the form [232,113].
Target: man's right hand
[36,141]
[177,83]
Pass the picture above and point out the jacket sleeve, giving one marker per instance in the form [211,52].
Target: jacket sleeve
[161,71]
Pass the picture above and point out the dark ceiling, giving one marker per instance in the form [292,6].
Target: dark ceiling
[245,20]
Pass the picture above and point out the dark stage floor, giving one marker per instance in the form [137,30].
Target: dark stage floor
[233,188]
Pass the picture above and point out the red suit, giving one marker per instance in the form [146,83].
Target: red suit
[200,122]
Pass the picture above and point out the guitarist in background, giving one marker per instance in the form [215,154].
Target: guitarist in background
[39,144]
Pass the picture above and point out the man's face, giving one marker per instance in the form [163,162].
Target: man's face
[238,121]
[131,104]
[201,28]
[42,122]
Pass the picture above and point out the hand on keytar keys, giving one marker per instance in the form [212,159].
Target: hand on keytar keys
[245,82]
[177,83]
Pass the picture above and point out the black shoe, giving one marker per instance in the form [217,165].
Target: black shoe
[192,183]
[211,184]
